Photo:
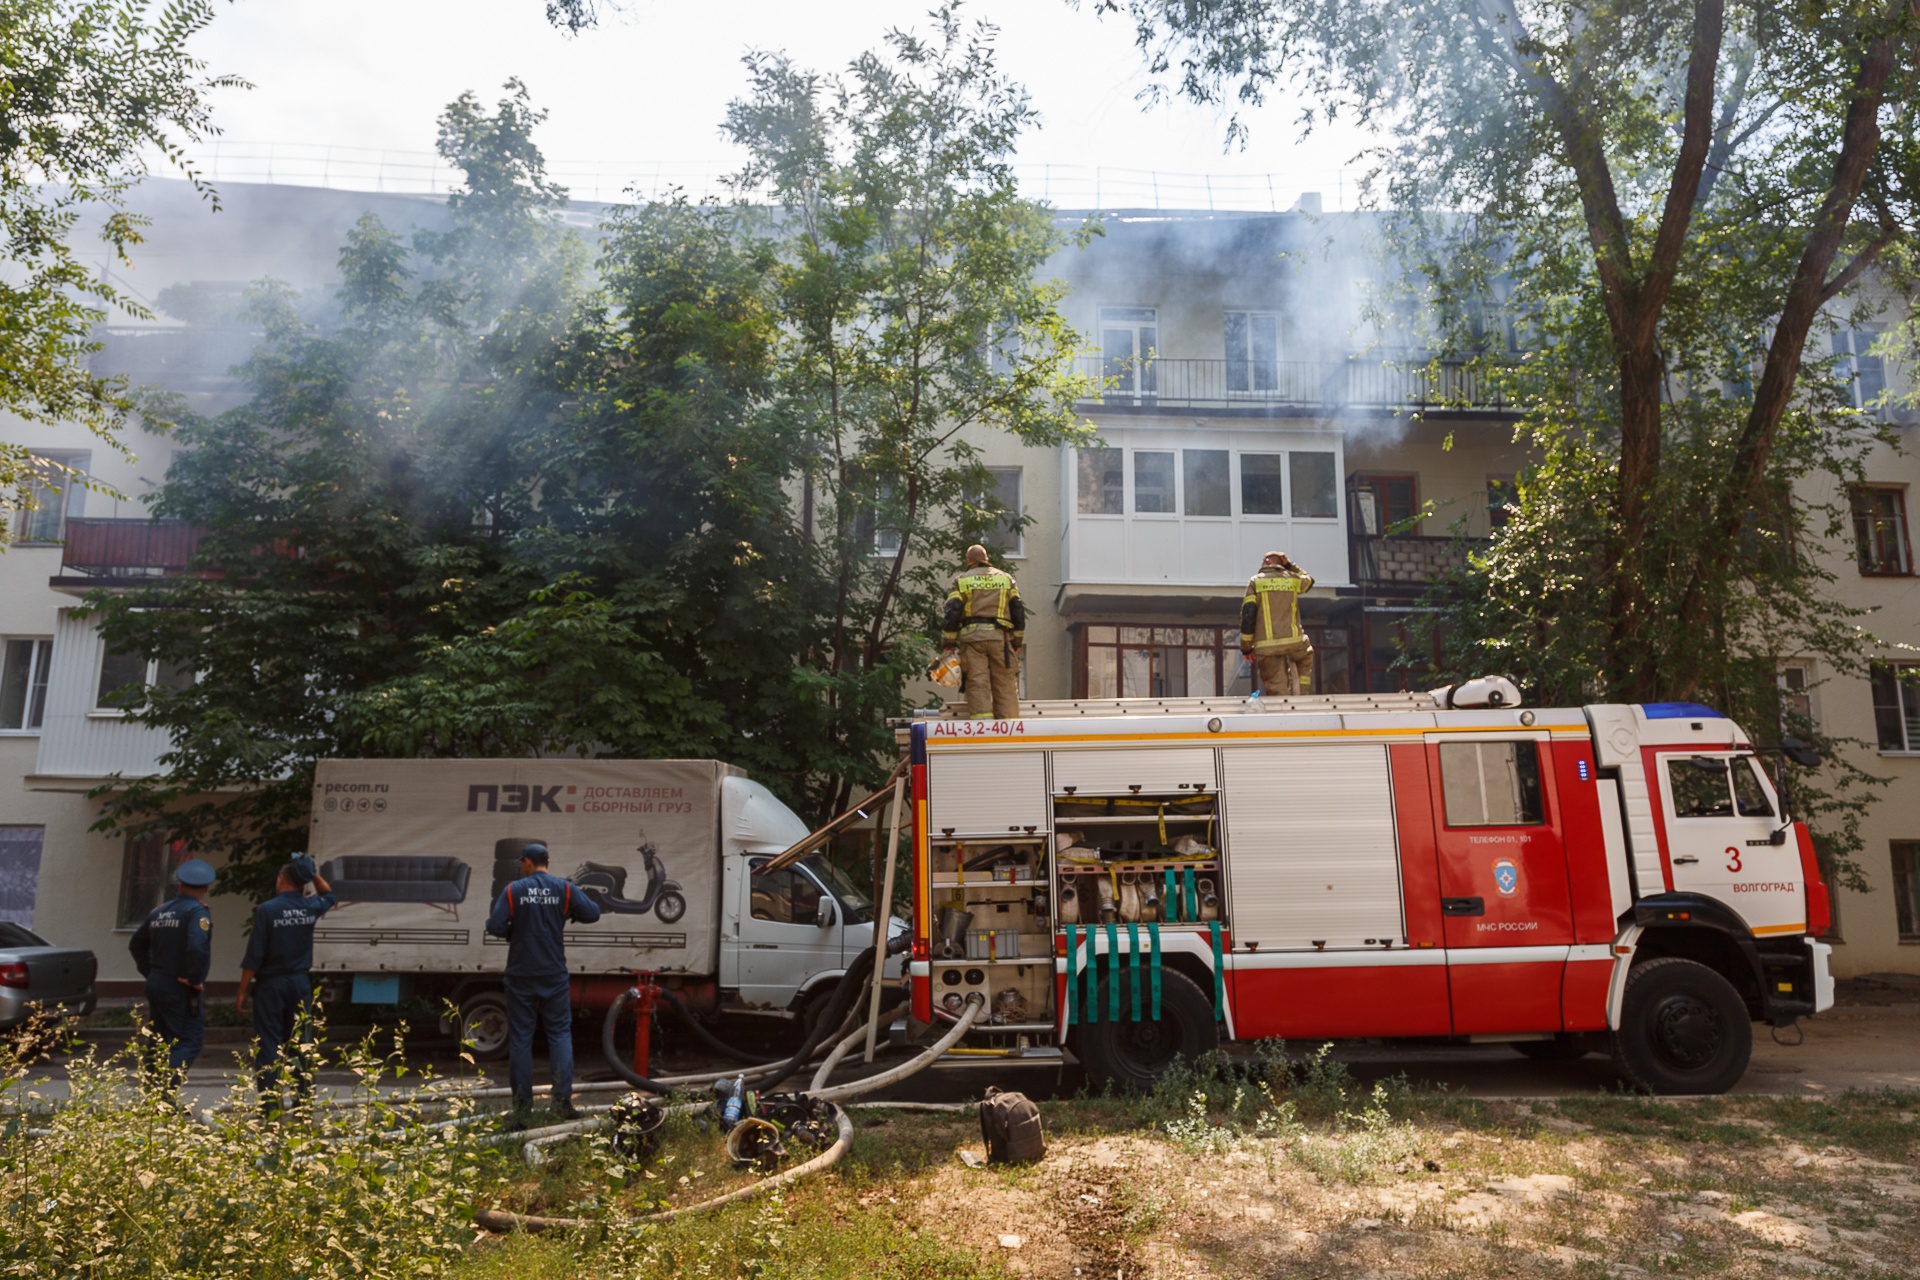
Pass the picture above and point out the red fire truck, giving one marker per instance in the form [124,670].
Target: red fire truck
[1142,879]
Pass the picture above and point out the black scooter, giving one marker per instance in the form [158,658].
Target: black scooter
[606,885]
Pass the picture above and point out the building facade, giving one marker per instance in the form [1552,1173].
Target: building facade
[1247,402]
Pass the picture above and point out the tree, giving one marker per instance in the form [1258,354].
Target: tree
[89,89]
[915,317]
[1671,199]
[355,592]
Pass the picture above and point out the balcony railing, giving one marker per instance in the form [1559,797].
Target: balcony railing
[128,548]
[1406,561]
[1372,383]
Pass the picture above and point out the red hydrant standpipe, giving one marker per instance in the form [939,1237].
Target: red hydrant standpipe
[646,993]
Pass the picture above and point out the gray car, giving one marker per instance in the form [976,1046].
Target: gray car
[35,972]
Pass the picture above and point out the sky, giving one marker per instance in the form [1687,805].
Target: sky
[347,91]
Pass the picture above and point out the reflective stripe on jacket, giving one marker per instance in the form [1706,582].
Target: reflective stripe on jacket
[1270,611]
[983,600]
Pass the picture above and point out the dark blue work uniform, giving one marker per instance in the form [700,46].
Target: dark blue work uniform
[531,915]
[280,953]
[173,948]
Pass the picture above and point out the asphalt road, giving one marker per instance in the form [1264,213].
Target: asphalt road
[1871,1040]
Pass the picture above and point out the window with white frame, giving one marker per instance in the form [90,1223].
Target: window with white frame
[1153,490]
[1102,481]
[874,527]
[1209,483]
[24,664]
[1205,484]
[1008,534]
[1864,371]
[1253,351]
[1129,341]
[1797,710]
[125,677]
[1896,704]
[57,495]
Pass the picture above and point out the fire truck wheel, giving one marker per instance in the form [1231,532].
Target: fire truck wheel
[1131,1055]
[1683,1029]
[483,1021]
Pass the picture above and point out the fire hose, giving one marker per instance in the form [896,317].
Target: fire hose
[499,1221]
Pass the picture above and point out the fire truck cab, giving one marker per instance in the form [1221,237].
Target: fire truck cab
[1137,880]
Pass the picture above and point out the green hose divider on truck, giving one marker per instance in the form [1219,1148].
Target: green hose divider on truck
[1133,962]
[1190,906]
[1219,975]
[1153,970]
[1073,956]
[1113,962]
[1170,900]
[1089,1005]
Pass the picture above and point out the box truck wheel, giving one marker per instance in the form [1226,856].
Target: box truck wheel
[483,1023]
[1683,1029]
[1131,1055]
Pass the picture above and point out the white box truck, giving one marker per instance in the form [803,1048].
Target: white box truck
[418,851]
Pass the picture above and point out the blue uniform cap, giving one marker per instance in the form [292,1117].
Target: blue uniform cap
[534,849]
[195,873]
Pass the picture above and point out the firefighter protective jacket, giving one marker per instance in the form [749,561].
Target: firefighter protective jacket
[1270,611]
[984,600]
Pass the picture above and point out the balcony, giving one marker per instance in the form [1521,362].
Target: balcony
[108,549]
[1375,384]
[1407,561]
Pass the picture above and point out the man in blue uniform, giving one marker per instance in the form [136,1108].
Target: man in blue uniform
[531,915]
[275,969]
[173,948]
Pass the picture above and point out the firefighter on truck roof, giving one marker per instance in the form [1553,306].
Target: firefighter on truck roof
[987,622]
[1270,631]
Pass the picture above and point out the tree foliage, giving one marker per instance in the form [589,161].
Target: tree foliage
[88,90]
[491,502]
[1669,202]
[916,321]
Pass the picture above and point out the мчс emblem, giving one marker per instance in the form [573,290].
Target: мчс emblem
[1506,876]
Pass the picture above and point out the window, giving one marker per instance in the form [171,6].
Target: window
[1102,482]
[1906,888]
[19,878]
[1260,485]
[1880,529]
[1396,501]
[57,497]
[1730,788]
[1314,489]
[147,874]
[1896,704]
[1864,372]
[124,677]
[1491,784]
[1253,351]
[788,896]
[1115,661]
[23,684]
[1796,697]
[1159,662]
[1502,497]
[1129,337]
[873,525]
[1203,473]
[1153,481]
[1007,533]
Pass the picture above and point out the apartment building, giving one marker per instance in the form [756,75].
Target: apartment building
[1247,404]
